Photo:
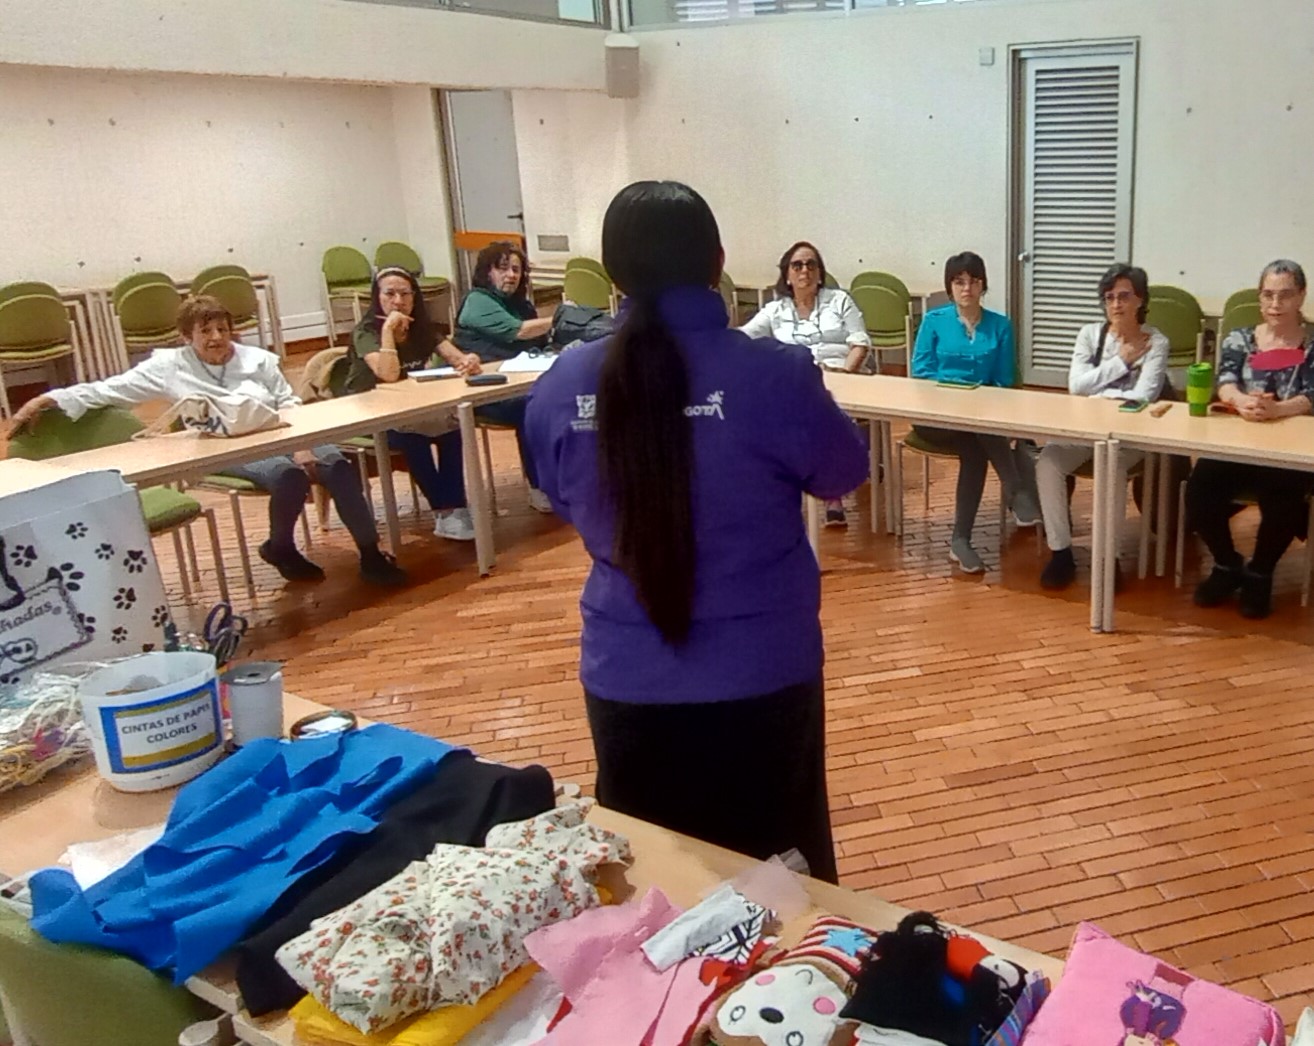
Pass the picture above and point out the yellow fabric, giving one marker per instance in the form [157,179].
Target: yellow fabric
[444,1027]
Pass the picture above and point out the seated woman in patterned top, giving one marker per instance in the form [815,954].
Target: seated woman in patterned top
[1265,373]
[825,319]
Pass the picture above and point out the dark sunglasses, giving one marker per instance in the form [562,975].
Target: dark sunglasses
[799,264]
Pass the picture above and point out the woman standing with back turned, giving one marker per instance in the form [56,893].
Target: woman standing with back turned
[680,450]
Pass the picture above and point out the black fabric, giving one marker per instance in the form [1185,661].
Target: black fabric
[458,804]
[748,775]
[1283,516]
[572,323]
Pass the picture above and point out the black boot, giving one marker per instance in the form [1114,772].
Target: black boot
[1218,587]
[379,568]
[1256,600]
[290,563]
[1060,571]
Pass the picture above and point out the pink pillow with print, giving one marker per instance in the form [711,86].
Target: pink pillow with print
[1112,995]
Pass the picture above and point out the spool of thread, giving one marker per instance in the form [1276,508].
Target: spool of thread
[1199,388]
[255,700]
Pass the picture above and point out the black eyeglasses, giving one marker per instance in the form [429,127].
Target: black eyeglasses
[799,264]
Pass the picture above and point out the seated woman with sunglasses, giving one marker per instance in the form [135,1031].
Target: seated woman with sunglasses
[966,344]
[1265,373]
[825,319]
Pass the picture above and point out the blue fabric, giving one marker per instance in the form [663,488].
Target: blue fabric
[943,351]
[237,837]
[765,430]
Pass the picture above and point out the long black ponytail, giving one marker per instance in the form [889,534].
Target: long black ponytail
[655,236]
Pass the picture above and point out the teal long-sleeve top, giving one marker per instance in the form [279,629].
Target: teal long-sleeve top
[944,352]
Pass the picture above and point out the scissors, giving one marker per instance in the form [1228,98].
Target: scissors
[224,632]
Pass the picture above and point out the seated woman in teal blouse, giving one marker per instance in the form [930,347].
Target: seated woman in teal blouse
[498,320]
[964,343]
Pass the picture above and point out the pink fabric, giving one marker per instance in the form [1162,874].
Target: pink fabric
[1111,995]
[616,994]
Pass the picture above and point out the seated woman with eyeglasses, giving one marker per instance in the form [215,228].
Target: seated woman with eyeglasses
[1265,373]
[1122,358]
[498,320]
[966,344]
[825,319]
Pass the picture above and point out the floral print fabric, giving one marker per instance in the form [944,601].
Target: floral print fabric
[449,928]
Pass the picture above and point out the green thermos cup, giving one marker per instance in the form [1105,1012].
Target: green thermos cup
[1199,388]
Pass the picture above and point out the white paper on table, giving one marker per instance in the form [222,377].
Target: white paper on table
[434,372]
[92,862]
[528,363]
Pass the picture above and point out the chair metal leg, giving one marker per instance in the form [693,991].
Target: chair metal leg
[1149,476]
[1181,531]
[221,575]
[415,496]
[1309,556]
[5,412]
[490,482]
[898,491]
[1003,515]
[321,498]
[1161,527]
[363,464]
[182,561]
[240,530]
[305,528]
[191,554]
[926,486]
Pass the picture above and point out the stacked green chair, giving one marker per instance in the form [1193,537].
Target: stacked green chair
[233,286]
[395,254]
[586,287]
[1178,316]
[347,276]
[167,511]
[887,310]
[34,331]
[1240,310]
[146,305]
[47,987]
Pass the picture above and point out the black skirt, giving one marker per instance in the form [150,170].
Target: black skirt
[748,775]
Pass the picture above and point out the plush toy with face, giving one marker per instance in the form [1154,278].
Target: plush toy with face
[797,1000]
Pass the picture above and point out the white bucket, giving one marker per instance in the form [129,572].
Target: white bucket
[164,729]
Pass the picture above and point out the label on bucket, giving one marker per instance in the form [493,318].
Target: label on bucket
[157,734]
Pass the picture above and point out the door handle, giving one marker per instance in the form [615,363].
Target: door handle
[1024,257]
[519,216]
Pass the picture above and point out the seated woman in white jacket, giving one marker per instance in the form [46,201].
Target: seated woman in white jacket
[825,319]
[1123,359]
[213,364]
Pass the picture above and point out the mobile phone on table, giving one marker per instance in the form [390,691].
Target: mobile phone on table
[1132,406]
[486,379]
[959,384]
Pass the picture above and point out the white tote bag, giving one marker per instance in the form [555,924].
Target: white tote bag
[78,576]
[226,415]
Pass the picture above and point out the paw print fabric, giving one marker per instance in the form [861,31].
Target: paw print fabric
[450,928]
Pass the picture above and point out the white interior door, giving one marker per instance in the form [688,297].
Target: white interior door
[1074,132]
[483,163]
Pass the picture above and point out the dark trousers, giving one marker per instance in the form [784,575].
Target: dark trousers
[511,413]
[975,450]
[748,775]
[1213,488]
[443,484]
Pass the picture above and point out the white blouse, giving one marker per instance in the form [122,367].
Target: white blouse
[835,325]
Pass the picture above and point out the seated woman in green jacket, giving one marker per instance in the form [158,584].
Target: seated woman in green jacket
[497,321]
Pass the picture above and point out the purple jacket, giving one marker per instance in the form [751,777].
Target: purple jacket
[765,430]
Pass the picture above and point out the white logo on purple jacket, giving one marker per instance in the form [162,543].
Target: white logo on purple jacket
[710,409]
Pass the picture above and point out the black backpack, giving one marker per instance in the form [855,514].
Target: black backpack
[576,323]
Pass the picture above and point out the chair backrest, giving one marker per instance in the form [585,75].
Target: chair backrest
[1238,314]
[137,279]
[33,321]
[831,282]
[884,309]
[727,289]
[586,287]
[1245,296]
[150,309]
[214,272]
[237,294]
[54,433]
[70,995]
[317,376]
[20,290]
[395,254]
[589,265]
[879,279]
[345,265]
[1179,317]
[935,299]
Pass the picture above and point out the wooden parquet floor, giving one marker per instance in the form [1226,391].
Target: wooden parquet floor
[990,759]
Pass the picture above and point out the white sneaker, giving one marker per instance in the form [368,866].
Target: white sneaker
[455,525]
[539,501]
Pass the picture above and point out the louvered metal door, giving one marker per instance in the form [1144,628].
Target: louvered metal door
[1076,133]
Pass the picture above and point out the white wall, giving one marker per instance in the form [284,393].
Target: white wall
[110,173]
[880,136]
[338,40]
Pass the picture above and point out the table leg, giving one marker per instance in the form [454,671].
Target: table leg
[1098,523]
[812,509]
[1111,530]
[875,452]
[1166,494]
[476,492]
[1148,501]
[893,483]
[383,456]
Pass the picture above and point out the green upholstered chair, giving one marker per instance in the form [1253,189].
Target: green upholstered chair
[1178,316]
[167,511]
[395,254]
[232,285]
[34,330]
[70,995]
[347,276]
[584,286]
